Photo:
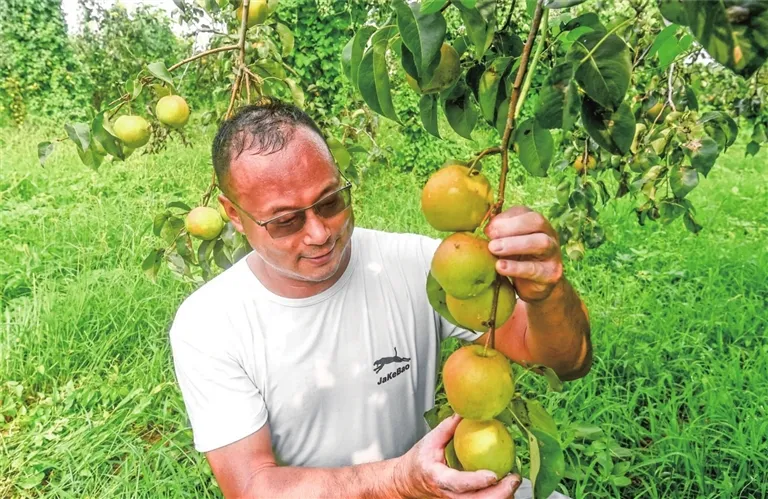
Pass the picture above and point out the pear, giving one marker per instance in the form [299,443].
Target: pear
[463,265]
[479,382]
[484,445]
[471,313]
[455,199]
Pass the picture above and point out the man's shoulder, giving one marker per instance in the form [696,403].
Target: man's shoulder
[212,301]
[388,241]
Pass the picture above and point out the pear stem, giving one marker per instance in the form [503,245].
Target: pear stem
[511,115]
[483,153]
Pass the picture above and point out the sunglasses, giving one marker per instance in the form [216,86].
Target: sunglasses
[292,222]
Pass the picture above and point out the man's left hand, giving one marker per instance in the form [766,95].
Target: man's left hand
[528,248]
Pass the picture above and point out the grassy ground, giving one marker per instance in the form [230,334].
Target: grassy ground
[673,407]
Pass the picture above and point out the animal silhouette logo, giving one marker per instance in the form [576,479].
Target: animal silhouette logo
[379,364]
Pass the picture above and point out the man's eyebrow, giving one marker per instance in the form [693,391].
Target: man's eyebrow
[328,189]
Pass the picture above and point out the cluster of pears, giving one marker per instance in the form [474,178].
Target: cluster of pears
[478,381]
[479,384]
[460,284]
[206,223]
[134,131]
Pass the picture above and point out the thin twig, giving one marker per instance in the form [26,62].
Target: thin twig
[534,62]
[483,153]
[247,87]
[509,16]
[513,100]
[670,81]
[202,54]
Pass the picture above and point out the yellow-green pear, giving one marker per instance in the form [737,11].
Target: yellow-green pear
[133,131]
[484,445]
[455,199]
[204,223]
[463,265]
[471,313]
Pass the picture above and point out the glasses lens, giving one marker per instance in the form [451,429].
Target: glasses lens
[333,204]
[286,225]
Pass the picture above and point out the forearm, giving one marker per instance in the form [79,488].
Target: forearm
[558,332]
[369,481]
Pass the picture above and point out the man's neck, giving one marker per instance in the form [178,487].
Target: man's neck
[289,287]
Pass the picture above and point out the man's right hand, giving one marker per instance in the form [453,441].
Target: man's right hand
[422,471]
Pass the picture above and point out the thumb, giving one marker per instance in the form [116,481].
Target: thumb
[443,433]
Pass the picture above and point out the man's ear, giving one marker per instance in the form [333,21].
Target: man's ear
[229,210]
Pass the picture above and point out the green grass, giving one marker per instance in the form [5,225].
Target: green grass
[88,403]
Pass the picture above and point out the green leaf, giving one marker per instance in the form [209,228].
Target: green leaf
[106,139]
[461,113]
[550,106]
[178,204]
[720,127]
[219,255]
[431,6]
[662,37]
[428,106]
[553,380]
[30,480]
[540,418]
[359,43]
[535,147]
[340,153]
[134,87]
[297,94]
[690,223]
[479,29]
[451,459]
[287,41]
[588,20]
[603,67]
[346,59]
[373,76]
[159,222]
[703,154]
[562,4]
[683,180]
[44,149]
[488,88]
[736,36]
[80,134]
[423,34]
[151,264]
[160,72]
[613,131]
[669,210]
[674,11]
[547,463]
[752,149]
[203,254]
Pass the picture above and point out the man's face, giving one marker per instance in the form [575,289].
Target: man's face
[295,177]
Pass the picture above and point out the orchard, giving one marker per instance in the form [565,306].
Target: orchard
[603,101]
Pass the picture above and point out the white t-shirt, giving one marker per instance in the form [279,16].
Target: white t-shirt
[343,377]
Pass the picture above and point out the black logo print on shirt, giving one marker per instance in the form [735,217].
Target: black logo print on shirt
[379,365]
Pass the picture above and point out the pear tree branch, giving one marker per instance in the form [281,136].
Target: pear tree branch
[511,116]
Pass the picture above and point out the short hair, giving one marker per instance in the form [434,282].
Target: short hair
[264,128]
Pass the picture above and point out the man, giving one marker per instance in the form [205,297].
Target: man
[307,366]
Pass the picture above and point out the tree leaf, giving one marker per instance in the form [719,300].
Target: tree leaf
[683,180]
[479,29]
[80,134]
[203,254]
[562,4]
[540,418]
[151,264]
[357,50]
[461,113]
[603,67]
[287,41]
[690,223]
[160,72]
[373,76]
[752,149]
[535,147]
[552,97]
[423,34]
[220,256]
[451,459]
[674,11]
[431,6]
[107,141]
[428,107]
[340,153]
[159,221]
[44,149]
[703,154]
[613,131]
[346,59]
[735,36]
[661,38]
[178,204]
[297,93]
[547,463]
[669,210]
[488,88]
[588,20]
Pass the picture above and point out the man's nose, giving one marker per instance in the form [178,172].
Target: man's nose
[316,233]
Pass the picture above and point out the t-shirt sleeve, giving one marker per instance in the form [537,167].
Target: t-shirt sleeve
[447,330]
[223,404]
